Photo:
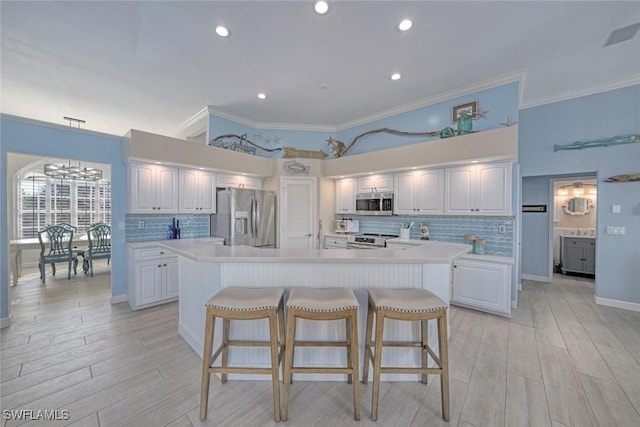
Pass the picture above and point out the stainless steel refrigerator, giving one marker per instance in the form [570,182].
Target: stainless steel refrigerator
[245,217]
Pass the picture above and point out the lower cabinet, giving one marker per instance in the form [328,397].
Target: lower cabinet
[333,242]
[153,277]
[482,284]
[578,255]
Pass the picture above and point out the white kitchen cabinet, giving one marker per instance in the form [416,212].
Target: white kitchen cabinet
[346,189]
[479,189]
[153,188]
[400,246]
[375,183]
[238,181]
[483,284]
[153,277]
[419,192]
[335,242]
[197,193]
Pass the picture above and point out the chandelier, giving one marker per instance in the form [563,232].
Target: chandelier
[72,172]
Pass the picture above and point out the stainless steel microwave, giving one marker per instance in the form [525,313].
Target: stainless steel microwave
[374,204]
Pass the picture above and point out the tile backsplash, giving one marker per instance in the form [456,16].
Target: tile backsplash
[447,229]
[155,226]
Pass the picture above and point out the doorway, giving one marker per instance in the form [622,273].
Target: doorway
[297,212]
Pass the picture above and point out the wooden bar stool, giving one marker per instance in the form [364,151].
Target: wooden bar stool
[409,305]
[243,304]
[323,304]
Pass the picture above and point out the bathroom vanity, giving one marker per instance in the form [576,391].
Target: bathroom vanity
[578,254]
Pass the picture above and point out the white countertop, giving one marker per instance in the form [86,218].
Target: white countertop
[414,242]
[203,251]
[151,244]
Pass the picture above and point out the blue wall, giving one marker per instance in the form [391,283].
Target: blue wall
[24,136]
[587,118]
[535,249]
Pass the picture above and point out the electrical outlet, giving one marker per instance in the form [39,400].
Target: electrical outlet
[619,231]
[189,223]
[502,229]
[140,225]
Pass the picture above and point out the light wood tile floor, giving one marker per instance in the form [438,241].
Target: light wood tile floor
[560,361]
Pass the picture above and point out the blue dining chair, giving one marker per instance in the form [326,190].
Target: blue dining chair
[99,236]
[56,245]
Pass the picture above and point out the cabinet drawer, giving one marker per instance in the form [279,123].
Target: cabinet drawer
[335,242]
[580,243]
[150,253]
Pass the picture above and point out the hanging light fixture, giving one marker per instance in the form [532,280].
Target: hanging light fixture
[63,171]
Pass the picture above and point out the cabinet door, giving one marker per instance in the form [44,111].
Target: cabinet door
[148,282]
[188,198]
[251,182]
[142,197]
[166,186]
[589,265]
[429,196]
[346,195]
[365,184]
[493,188]
[460,191]
[170,279]
[405,188]
[239,181]
[335,243]
[207,192]
[383,183]
[485,286]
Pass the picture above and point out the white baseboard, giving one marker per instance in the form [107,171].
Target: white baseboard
[514,304]
[520,286]
[119,298]
[5,322]
[545,279]
[633,306]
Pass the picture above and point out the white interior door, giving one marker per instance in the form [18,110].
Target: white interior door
[297,212]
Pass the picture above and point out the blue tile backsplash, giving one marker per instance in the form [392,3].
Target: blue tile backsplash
[155,226]
[446,229]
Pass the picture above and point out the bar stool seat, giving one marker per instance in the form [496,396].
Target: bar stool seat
[323,304]
[243,304]
[408,305]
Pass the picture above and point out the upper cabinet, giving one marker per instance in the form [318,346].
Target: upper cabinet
[197,193]
[238,181]
[479,189]
[419,192]
[153,188]
[375,183]
[346,189]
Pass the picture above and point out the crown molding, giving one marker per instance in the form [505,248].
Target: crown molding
[193,120]
[267,125]
[591,90]
[57,126]
[441,97]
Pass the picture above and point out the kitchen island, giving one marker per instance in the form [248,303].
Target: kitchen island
[205,268]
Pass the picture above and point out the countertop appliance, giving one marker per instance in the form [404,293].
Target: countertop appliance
[347,225]
[368,241]
[245,217]
[374,204]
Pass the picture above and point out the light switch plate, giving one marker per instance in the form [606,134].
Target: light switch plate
[189,223]
[502,229]
[619,231]
[140,225]
[615,209]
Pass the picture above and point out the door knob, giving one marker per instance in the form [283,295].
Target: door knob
[308,235]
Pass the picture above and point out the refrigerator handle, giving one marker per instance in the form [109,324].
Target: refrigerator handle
[257,217]
[253,217]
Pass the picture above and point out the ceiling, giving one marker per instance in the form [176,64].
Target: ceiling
[153,65]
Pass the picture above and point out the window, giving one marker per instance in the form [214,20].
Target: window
[43,200]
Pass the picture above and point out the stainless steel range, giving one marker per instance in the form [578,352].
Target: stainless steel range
[368,241]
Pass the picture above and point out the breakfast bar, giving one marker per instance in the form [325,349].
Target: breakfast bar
[205,268]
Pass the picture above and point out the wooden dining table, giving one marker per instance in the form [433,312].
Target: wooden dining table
[16,247]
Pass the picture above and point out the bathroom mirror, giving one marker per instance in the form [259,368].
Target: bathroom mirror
[578,206]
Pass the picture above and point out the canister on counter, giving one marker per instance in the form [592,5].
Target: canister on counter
[478,246]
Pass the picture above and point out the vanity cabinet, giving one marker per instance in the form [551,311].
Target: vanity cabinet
[482,283]
[419,192]
[238,181]
[375,183]
[578,254]
[153,188]
[346,189]
[335,242]
[153,277]
[197,193]
[479,189]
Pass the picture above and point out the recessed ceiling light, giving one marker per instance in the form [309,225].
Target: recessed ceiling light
[473,161]
[405,24]
[321,7]
[324,86]
[222,31]
[262,95]
[395,76]
[414,168]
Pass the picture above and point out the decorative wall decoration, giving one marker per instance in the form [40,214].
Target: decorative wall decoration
[339,148]
[470,108]
[616,140]
[293,167]
[631,177]
[292,153]
[239,143]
